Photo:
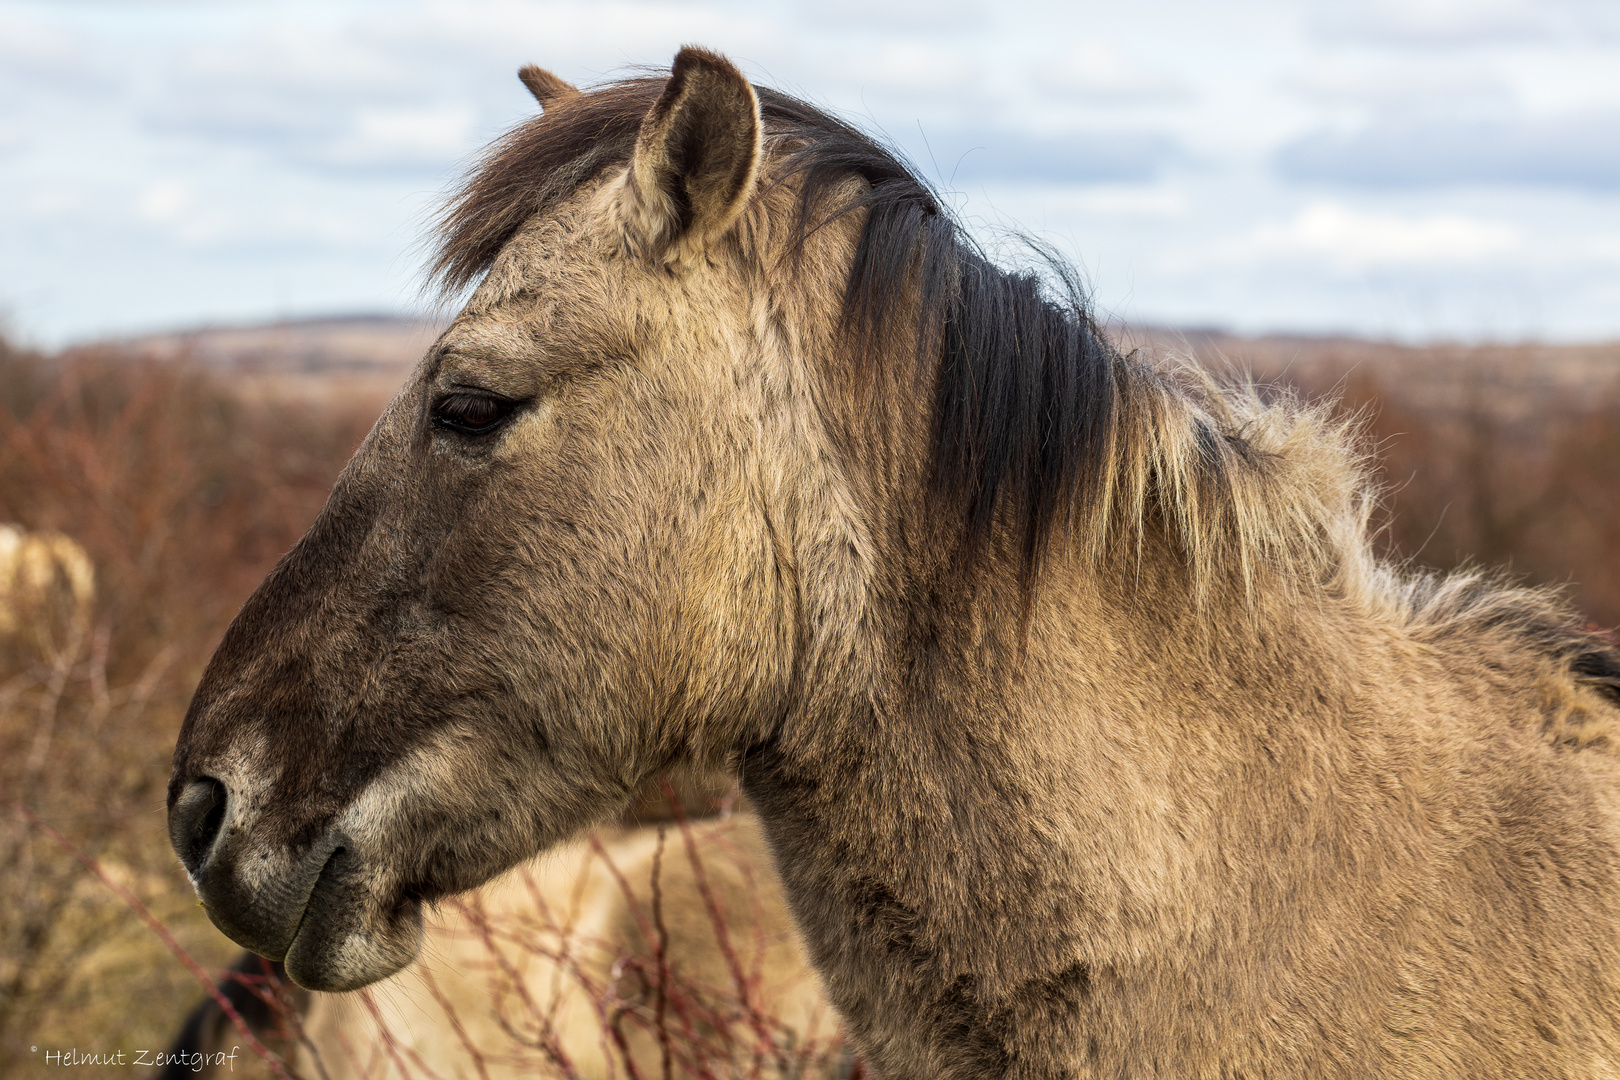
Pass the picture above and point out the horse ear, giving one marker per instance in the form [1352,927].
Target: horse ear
[696,156]
[546,87]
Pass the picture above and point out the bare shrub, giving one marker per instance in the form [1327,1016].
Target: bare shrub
[645,953]
[183,493]
[648,951]
[183,496]
[1496,473]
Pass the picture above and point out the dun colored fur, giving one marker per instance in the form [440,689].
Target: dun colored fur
[1090,738]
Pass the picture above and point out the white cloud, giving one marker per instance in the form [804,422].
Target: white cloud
[39,58]
[164,201]
[52,203]
[14,135]
[1404,83]
[1438,22]
[1098,72]
[917,67]
[1429,24]
[204,150]
[428,135]
[572,36]
[284,60]
[1122,201]
[1601,249]
[1347,239]
[1576,150]
[996,154]
[911,17]
[36,44]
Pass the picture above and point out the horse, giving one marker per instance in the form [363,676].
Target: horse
[47,587]
[1089,734]
[663,932]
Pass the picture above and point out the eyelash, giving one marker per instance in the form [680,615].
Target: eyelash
[471,413]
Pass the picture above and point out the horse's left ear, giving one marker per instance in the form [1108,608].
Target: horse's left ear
[547,89]
[696,157]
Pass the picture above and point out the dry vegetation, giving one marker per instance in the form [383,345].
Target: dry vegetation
[184,489]
[183,495]
[1508,475]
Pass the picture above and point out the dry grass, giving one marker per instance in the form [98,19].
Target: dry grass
[184,490]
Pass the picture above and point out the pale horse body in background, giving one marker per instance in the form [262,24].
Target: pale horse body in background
[46,581]
[554,971]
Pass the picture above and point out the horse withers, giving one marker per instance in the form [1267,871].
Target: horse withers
[1088,734]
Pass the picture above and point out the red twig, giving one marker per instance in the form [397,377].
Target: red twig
[271,1060]
[392,1043]
[565,959]
[455,1021]
[648,934]
[661,956]
[548,1042]
[722,932]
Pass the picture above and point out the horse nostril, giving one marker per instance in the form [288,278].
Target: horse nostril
[197,817]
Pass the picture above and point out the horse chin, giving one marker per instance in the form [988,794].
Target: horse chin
[348,939]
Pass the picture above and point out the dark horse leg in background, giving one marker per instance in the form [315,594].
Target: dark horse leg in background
[262,994]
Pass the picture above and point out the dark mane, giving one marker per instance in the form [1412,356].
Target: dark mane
[1026,396]
[531,167]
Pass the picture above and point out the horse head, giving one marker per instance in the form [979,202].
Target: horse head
[554,569]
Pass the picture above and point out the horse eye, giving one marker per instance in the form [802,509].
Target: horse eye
[471,413]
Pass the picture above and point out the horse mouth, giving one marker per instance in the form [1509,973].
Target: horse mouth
[351,934]
[327,869]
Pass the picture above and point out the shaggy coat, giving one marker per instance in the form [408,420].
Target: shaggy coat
[1090,738]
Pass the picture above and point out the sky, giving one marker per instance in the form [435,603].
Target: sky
[1405,169]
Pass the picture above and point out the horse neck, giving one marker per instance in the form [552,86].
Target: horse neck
[1122,640]
[1079,775]
[927,689]
[900,621]
[937,722]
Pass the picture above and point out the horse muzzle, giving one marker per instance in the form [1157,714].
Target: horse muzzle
[314,906]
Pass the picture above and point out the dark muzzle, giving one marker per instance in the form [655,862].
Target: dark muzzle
[256,896]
